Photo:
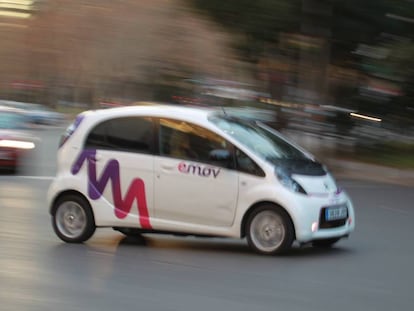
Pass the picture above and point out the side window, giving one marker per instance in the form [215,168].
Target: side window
[97,137]
[187,141]
[246,165]
[134,134]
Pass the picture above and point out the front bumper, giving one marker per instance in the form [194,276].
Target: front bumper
[310,222]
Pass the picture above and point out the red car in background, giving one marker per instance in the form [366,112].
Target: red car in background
[14,139]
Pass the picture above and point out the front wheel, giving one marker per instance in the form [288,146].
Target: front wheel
[72,219]
[269,230]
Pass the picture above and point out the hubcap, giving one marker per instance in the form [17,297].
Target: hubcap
[71,219]
[267,231]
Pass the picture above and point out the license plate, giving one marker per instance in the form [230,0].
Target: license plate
[336,213]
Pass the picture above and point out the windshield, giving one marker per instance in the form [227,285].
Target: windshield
[260,139]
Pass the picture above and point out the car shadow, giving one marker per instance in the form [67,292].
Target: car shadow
[165,245]
[192,244]
[223,245]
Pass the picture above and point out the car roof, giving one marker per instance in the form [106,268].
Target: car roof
[193,114]
[154,110]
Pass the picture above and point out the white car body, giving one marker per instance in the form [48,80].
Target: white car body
[156,193]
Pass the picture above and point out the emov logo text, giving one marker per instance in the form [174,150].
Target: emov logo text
[199,170]
[96,187]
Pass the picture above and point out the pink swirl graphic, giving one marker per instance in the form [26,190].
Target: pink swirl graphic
[96,187]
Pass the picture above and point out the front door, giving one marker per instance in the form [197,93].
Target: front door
[189,187]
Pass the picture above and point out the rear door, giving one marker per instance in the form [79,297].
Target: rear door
[118,157]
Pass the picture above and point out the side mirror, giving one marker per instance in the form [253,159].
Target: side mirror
[220,155]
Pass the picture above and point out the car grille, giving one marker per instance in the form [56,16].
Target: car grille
[325,224]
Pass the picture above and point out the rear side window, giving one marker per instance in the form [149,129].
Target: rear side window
[131,134]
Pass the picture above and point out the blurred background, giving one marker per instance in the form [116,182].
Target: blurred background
[336,76]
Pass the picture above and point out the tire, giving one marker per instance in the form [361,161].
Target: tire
[269,230]
[325,243]
[72,219]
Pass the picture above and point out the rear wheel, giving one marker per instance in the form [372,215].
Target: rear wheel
[269,230]
[325,243]
[73,220]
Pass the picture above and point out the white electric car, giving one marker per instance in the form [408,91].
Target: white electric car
[193,171]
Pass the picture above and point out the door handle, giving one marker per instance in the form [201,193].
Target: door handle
[167,166]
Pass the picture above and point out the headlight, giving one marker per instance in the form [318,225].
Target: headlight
[16,144]
[287,181]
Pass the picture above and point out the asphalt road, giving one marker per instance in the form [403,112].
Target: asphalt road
[372,270]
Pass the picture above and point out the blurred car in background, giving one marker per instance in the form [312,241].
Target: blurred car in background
[36,113]
[40,114]
[14,138]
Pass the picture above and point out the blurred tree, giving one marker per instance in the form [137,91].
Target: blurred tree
[353,21]
[370,22]
[87,51]
[372,37]
[402,62]
[258,22]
